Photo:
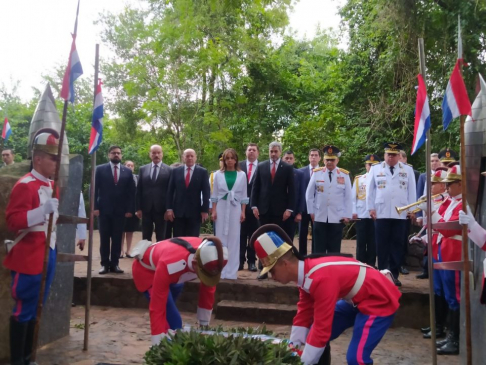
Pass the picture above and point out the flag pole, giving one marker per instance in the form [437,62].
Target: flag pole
[465,239]
[428,173]
[40,302]
[91,220]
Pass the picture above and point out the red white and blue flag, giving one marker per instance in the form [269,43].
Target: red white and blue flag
[422,116]
[456,101]
[73,71]
[6,131]
[97,122]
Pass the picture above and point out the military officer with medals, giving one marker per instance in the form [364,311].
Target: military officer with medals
[365,226]
[391,184]
[329,202]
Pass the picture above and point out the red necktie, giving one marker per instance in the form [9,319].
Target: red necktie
[273,171]
[249,172]
[115,175]
[188,176]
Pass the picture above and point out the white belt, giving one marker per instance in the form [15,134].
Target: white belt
[456,237]
[151,266]
[23,233]
[358,283]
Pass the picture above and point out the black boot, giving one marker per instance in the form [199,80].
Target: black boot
[441,309]
[452,346]
[18,333]
[29,342]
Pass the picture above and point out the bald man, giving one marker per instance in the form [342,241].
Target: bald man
[153,182]
[188,196]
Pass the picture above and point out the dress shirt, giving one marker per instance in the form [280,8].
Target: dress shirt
[191,173]
[112,165]
[276,165]
[152,169]
[253,169]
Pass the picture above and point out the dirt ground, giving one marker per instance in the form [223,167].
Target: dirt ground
[122,336]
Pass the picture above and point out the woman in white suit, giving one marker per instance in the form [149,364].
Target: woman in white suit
[229,198]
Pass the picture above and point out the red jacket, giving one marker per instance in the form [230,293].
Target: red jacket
[450,244]
[322,289]
[172,264]
[29,193]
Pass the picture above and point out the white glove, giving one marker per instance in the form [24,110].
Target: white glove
[51,206]
[466,218]
[423,205]
[416,239]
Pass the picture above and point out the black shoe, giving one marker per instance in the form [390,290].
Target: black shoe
[424,275]
[425,329]
[439,333]
[128,256]
[398,282]
[252,268]
[240,267]
[403,270]
[441,343]
[262,277]
[450,348]
[116,270]
[104,270]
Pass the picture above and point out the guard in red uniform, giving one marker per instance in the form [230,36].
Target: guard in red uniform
[448,247]
[161,266]
[438,187]
[27,214]
[336,293]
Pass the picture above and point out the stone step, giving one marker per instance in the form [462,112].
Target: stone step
[258,312]
[118,291]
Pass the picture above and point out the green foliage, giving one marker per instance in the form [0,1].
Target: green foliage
[212,74]
[194,348]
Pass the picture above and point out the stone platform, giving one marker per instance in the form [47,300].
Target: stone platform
[246,299]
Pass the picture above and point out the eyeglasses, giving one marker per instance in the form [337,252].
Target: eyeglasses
[115,153]
[451,183]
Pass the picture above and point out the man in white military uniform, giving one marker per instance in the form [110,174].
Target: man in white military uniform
[329,203]
[365,226]
[391,184]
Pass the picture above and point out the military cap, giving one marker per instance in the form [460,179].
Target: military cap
[47,141]
[392,147]
[372,159]
[453,174]
[448,155]
[331,152]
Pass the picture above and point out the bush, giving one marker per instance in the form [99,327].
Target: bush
[193,348]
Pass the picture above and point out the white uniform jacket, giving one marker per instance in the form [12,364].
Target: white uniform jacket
[386,191]
[359,196]
[329,201]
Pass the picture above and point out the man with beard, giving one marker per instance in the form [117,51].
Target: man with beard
[114,200]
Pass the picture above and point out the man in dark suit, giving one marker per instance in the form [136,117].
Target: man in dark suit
[273,191]
[153,182]
[249,226]
[114,200]
[188,184]
[296,216]
[307,171]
